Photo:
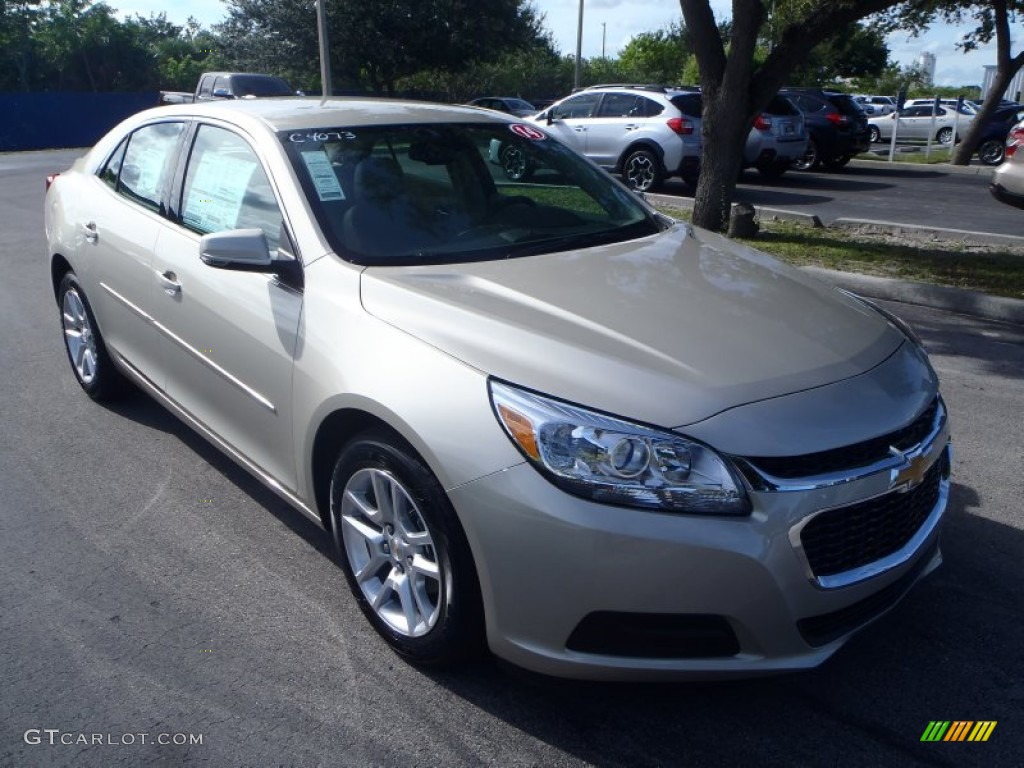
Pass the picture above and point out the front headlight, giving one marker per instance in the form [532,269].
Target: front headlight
[613,461]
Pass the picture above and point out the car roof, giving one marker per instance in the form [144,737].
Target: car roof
[295,113]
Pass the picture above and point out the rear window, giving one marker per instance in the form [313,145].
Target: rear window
[845,104]
[780,105]
[251,85]
[690,104]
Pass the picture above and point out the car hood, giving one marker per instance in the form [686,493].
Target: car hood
[668,330]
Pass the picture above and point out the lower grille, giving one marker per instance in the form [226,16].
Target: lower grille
[654,635]
[850,537]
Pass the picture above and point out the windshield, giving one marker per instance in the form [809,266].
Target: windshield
[444,193]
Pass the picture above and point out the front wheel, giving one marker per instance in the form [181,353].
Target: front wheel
[810,159]
[944,136]
[87,353]
[992,152]
[403,551]
[642,170]
[876,134]
[515,164]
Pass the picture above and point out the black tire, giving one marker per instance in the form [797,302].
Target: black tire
[514,163]
[811,158]
[836,163]
[454,629]
[642,171]
[992,152]
[944,135]
[90,361]
[876,134]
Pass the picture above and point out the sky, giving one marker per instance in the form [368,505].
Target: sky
[619,20]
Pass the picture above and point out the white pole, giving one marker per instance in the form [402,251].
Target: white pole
[892,140]
[325,53]
[579,47]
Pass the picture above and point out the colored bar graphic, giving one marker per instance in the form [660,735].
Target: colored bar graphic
[935,731]
[958,730]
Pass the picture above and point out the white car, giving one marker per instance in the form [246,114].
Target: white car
[876,106]
[915,123]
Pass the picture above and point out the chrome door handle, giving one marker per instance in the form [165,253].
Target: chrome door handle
[170,283]
[632,127]
[579,128]
[91,233]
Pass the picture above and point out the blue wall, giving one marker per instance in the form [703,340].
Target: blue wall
[58,120]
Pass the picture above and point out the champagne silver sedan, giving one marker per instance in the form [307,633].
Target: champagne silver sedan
[536,417]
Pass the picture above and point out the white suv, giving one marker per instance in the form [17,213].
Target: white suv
[644,132]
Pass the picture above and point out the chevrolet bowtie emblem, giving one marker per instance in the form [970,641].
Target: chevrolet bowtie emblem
[910,474]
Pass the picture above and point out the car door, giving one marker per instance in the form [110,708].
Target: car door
[229,337]
[618,117]
[127,199]
[915,123]
[572,118]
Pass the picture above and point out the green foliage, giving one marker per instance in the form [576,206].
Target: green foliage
[77,45]
[857,51]
[658,56]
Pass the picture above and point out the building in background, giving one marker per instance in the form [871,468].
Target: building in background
[1014,92]
[926,63]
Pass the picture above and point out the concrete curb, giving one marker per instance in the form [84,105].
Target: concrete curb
[940,233]
[935,296]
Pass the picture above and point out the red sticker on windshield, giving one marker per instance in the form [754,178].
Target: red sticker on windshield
[527,132]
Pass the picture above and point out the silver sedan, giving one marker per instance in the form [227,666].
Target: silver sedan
[916,123]
[537,416]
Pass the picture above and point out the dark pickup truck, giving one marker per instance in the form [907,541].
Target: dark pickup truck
[231,85]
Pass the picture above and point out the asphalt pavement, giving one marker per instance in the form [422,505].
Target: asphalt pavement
[149,588]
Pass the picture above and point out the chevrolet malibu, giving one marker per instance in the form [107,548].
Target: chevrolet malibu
[537,417]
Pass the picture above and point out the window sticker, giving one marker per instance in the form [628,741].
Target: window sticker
[320,170]
[215,196]
[527,132]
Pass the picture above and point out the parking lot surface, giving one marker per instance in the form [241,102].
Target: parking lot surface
[149,586]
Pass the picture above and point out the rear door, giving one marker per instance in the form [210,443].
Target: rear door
[229,337]
[127,203]
[619,120]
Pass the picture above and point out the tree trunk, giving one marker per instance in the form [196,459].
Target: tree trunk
[1006,68]
[725,119]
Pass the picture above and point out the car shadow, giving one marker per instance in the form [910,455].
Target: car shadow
[950,650]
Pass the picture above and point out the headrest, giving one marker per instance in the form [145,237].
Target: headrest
[378,179]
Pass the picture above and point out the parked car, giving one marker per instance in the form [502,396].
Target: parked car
[916,123]
[966,107]
[1014,139]
[992,143]
[1008,180]
[645,132]
[231,85]
[836,125]
[611,444]
[508,104]
[777,140]
[876,105]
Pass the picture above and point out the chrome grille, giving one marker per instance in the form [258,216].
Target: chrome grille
[846,538]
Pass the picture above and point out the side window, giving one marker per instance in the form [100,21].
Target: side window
[649,107]
[576,107]
[221,83]
[226,188]
[206,86]
[147,163]
[618,105]
[112,169]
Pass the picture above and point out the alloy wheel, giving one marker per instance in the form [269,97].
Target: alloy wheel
[79,337]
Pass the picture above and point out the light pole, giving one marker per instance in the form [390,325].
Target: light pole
[325,53]
[579,47]
[604,33]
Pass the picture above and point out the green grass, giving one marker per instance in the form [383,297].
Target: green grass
[936,156]
[990,269]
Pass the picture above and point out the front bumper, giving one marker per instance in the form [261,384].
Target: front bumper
[737,593]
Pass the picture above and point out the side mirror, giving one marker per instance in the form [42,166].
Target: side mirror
[243,249]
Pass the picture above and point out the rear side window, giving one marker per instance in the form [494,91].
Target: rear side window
[846,105]
[226,187]
[146,167]
[690,104]
[810,105]
[622,105]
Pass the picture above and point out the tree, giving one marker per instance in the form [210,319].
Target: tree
[858,51]
[659,56]
[993,19]
[737,87]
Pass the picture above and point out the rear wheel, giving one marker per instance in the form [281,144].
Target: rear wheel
[403,551]
[87,353]
[835,163]
[992,152]
[642,171]
[811,158]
